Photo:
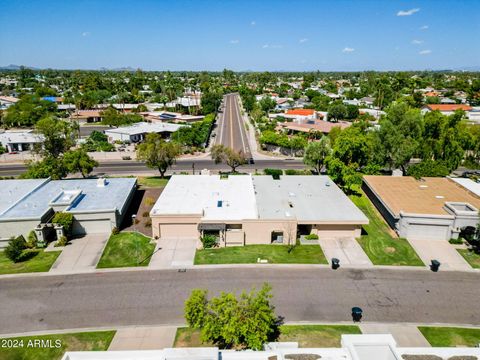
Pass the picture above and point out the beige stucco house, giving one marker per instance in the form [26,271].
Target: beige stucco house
[248,209]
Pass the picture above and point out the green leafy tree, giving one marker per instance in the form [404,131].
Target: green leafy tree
[345,176]
[28,111]
[64,219]
[195,308]
[231,322]
[317,152]
[337,111]
[428,168]
[15,248]
[223,154]
[157,153]
[78,161]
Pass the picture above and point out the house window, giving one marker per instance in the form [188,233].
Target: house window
[219,203]
[277,237]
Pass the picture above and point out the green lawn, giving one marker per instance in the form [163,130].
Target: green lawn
[450,336]
[472,258]
[378,244]
[86,341]
[316,335]
[275,254]
[126,249]
[305,335]
[187,337]
[152,181]
[37,261]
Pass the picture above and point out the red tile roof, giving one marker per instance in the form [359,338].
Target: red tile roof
[303,112]
[449,107]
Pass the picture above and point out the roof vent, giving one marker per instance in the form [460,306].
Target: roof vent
[423,186]
[101,182]
[440,197]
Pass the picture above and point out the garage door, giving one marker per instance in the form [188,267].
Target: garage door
[427,232]
[178,231]
[92,227]
[325,231]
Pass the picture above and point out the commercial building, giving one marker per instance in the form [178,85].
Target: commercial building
[17,141]
[138,131]
[429,208]
[249,209]
[97,205]
[353,347]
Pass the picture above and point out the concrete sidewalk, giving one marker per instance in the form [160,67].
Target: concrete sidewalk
[347,250]
[144,338]
[81,255]
[405,335]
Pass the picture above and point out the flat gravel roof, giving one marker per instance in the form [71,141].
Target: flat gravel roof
[425,196]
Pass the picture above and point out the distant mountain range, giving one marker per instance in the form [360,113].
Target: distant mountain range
[13,67]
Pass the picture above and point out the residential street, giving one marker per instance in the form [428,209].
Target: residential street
[315,295]
[231,127]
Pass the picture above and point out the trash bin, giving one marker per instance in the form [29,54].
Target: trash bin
[435,265]
[357,314]
[335,263]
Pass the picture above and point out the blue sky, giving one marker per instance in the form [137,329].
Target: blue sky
[241,35]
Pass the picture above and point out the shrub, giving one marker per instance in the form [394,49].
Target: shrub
[148,223]
[274,172]
[64,219]
[115,231]
[311,237]
[209,241]
[32,240]
[62,241]
[145,214]
[14,250]
[456,241]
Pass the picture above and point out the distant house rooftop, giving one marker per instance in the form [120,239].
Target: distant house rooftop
[144,128]
[302,112]
[425,196]
[448,107]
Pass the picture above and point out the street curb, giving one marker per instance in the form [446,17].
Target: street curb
[116,328]
[238,266]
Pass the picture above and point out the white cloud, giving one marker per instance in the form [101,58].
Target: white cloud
[253,23]
[272,46]
[85,33]
[408,12]
[302,40]
[234,41]
[417,42]
[425,52]
[348,50]
[424,27]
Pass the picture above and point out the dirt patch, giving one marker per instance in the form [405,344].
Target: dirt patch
[390,250]
[142,203]
[302,356]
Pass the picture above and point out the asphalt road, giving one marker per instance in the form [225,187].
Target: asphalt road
[231,130]
[313,294]
[133,167]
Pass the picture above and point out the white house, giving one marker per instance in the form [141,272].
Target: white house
[138,131]
[13,140]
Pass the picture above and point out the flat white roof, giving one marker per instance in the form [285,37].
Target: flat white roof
[20,137]
[242,197]
[144,127]
[209,196]
[468,184]
[304,198]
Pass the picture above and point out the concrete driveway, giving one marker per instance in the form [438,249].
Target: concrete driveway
[81,254]
[440,250]
[174,253]
[347,250]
